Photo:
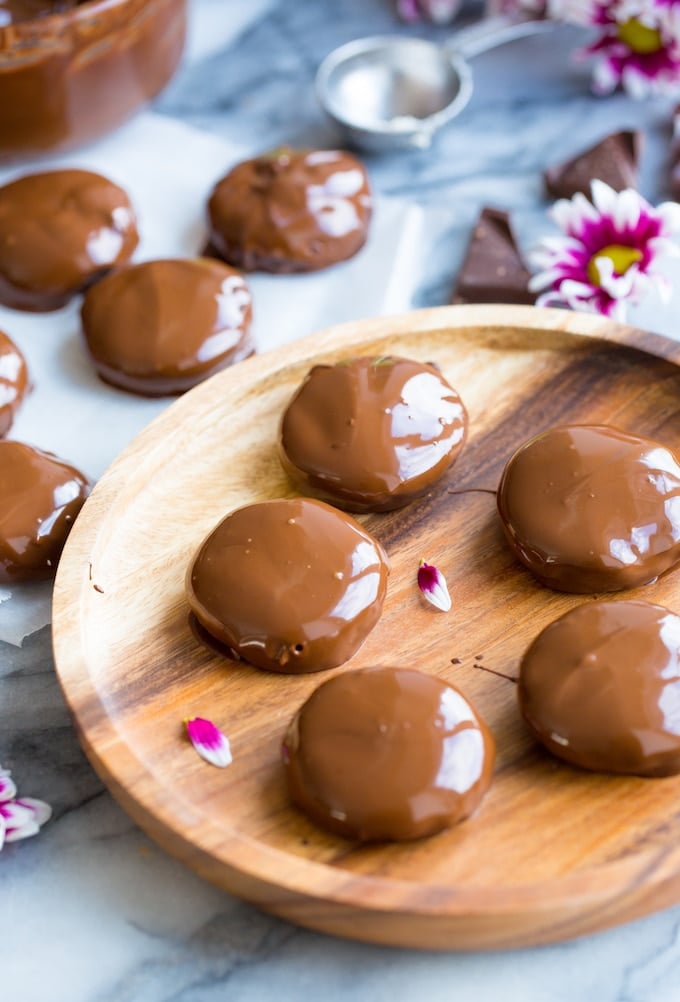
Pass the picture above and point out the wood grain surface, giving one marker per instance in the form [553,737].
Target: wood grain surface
[553,852]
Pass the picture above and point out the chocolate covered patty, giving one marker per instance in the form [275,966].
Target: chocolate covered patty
[589,508]
[600,688]
[289,585]
[291,211]
[40,496]
[13,381]
[160,327]
[387,753]
[59,232]
[371,434]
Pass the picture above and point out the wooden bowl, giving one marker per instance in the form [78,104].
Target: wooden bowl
[553,852]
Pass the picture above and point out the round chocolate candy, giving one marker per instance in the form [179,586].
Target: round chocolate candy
[161,327]
[289,585]
[589,508]
[371,434]
[40,496]
[600,688]
[291,211]
[60,231]
[387,753]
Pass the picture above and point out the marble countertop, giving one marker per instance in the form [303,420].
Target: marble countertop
[91,910]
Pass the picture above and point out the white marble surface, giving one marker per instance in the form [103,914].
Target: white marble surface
[91,911]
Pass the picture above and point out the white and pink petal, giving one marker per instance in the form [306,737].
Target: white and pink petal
[209,741]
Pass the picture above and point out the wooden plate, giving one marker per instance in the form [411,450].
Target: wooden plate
[553,852]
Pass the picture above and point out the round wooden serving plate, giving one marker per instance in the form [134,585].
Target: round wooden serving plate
[553,852]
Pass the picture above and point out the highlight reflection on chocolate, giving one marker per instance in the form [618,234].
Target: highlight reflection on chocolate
[60,231]
[289,585]
[600,687]
[161,327]
[589,508]
[387,753]
[371,434]
[40,496]
[291,211]
[13,381]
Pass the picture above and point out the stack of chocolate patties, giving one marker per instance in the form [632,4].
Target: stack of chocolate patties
[494,270]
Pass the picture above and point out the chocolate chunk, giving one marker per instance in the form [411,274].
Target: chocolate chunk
[387,753]
[589,508]
[613,160]
[493,270]
[598,688]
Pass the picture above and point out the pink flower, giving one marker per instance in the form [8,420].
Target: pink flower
[209,741]
[20,817]
[610,253]
[439,11]
[638,43]
[433,586]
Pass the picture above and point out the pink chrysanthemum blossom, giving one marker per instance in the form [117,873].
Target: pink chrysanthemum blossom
[20,817]
[439,11]
[610,253]
[520,9]
[638,46]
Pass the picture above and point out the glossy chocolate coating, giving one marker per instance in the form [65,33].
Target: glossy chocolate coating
[387,753]
[493,270]
[14,382]
[161,327]
[614,160]
[371,434]
[72,71]
[60,231]
[589,508]
[40,496]
[600,688]
[291,211]
[289,585]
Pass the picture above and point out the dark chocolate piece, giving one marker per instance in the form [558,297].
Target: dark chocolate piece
[60,231]
[589,508]
[291,211]
[40,496]
[14,382]
[289,585]
[493,270]
[613,160]
[161,327]
[371,434]
[387,753]
[599,688]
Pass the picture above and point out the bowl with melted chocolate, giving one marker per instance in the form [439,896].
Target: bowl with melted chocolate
[554,851]
[72,70]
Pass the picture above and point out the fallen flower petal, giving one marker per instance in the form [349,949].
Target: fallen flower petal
[432,584]
[7,788]
[23,817]
[209,741]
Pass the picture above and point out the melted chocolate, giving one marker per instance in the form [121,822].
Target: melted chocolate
[291,211]
[600,688]
[60,231]
[13,381]
[371,434]
[161,327]
[40,496]
[72,71]
[289,585]
[387,753]
[613,160]
[589,508]
[493,270]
